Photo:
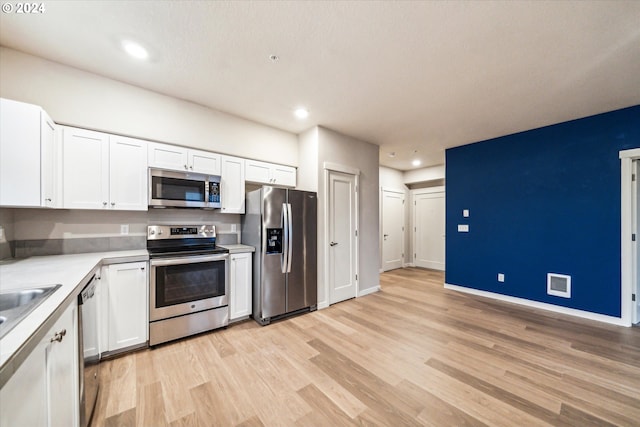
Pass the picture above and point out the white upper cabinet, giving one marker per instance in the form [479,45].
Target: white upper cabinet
[165,156]
[27,148]
[128,174]
[204,162]
[232,185]
[103,171]
[270,173]
[51,157]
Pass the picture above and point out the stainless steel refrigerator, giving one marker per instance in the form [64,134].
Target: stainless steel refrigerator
[282,225]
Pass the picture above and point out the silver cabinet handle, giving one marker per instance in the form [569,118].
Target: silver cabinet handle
[104,203]
[186,167]
[59,335]
[333,243]
[113,203]
[48,200]
[191,167]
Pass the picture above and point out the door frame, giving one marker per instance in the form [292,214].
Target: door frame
[381,228]
[627,262]
[328,168]
[428,190]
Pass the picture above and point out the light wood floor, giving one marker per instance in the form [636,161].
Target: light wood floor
[412,354]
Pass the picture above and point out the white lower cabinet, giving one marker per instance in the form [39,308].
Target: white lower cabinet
[240,284]
[124,297]
[44,389]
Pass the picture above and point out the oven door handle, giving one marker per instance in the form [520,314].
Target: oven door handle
[188,260]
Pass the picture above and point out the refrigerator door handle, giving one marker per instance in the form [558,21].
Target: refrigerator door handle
[290,242]
[285,241]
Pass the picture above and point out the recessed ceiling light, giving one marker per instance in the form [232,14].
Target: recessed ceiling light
[416,162]
[392,154]
[135,49]
[301,113]
[274,58]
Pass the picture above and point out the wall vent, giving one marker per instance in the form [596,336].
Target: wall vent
[559,285]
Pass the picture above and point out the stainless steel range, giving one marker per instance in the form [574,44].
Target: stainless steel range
[189,281]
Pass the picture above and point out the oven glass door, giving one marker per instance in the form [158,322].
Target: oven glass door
[188,284]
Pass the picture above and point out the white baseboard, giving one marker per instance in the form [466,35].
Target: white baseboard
[409,264]
[322,305]
[381,271]
[369,291]
[541,305]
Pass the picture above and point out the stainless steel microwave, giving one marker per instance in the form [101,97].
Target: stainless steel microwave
[183,189]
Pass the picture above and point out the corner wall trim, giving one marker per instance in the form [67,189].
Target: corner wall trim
[323,305]
[368,291]
[541,305]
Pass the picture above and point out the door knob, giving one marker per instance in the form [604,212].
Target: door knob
[333,243]
[385,236]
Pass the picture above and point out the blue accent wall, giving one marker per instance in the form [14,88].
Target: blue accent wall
[540,201]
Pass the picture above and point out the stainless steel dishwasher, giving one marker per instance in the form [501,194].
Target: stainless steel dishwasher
[89,350]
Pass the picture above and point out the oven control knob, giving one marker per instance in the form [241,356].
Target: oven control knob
[152,232]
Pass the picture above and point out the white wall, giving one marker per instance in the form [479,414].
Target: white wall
[308,160]
[340,149]
[430,173]
[391,178]
[87,100]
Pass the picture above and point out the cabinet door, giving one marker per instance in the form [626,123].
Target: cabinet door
[61,360]
[127,174]
[259,172]
[232,185]
[86,169]
[50,157]
[284,175]
[23,399]
[127,304]
[204,162]
[165,156]
[240,286]
[19,154]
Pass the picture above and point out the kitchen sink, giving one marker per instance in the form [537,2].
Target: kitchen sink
[15,305]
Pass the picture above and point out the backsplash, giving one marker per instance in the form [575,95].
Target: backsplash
[37,232]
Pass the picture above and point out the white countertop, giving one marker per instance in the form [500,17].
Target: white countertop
[237,249]
[70,271]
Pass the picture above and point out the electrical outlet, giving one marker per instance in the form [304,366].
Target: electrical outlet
[463,228]
[501,277]
[465,213]
[1,232]
[233,228]
[124,229]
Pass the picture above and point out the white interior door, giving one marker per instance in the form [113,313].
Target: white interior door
[428,232]
[635,312]
[392,229]
[342,237]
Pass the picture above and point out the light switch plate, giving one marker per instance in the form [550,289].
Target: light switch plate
[500,277]
[463,228]
[465,213]
[124,229]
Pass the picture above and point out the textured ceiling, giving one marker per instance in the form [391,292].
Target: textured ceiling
[408,76]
